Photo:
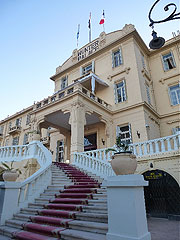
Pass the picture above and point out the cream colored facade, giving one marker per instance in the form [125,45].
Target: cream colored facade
[113,82]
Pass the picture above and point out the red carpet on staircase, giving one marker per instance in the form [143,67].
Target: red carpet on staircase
[62,209]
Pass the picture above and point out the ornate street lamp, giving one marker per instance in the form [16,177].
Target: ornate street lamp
[158,42]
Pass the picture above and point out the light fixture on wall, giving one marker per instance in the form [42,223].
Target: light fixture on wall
[158,42]
[103,141]
[151,165]
[138,134]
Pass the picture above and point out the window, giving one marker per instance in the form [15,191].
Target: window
[168,61]
[174,93]
[125,133]
[25,141]
[87,69]
[1,130]
[143,60]
[15,141]
[18,122]
[28,119]
[148,94]
[120,92]
[116,58]
[10,125]
[176,130]
[64,82]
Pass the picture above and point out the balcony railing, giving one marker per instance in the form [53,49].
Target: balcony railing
[97,161]
[15,129]
[67,92]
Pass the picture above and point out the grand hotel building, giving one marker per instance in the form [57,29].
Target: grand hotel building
[115,84]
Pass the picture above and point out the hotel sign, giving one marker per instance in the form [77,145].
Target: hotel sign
[88,50]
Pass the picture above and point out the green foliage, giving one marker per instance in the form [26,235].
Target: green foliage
[121,146]
[9,168]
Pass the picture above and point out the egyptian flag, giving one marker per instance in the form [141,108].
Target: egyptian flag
[102,18]
[89,22]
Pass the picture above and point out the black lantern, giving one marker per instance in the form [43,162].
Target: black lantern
[158,42]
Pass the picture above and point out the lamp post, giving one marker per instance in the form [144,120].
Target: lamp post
[158,42]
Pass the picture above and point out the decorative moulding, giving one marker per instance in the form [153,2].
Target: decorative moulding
[173,121]
[58,69]
[74,55]
[102,39]
[126,70]
[162,80]
[146,74]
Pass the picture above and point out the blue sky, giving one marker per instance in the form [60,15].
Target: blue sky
[36,36]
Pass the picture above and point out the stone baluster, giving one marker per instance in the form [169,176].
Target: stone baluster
[145,149]
[140,149]
[175,143]
[157,147]
[22,195]
[151,148]
[100,155]
[168,144]
[162,145]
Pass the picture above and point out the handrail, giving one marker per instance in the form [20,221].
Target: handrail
[31,187]
[97,161]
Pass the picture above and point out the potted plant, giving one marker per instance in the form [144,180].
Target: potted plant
[123,161]
[9,173]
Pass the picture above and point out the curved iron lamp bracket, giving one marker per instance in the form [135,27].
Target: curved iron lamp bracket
[172,16]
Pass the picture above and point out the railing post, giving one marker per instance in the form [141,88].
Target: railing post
[9,193]
[126,208]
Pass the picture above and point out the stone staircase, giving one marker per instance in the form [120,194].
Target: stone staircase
[50,217]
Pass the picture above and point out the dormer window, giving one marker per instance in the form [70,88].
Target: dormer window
[64,82]
[168,61]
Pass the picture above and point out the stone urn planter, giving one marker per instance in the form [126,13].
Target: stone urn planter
[10,176]
[124,163]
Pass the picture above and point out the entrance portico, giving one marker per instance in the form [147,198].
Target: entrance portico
[79,117]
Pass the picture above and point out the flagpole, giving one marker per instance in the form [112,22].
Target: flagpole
[89,25]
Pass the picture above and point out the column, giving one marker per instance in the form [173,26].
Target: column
[126,208]
[77,121]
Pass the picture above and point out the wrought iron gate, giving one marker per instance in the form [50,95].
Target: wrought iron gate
[162,196]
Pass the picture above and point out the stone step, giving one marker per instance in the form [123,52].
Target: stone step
[95,209]
[7,231]
[15,223]
[4,237]
[98,217]
[36,205]
[94,227]
[32,211]
[22,216]
[71,234]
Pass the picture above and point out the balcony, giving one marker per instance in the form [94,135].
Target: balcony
[81,85]
[14,130]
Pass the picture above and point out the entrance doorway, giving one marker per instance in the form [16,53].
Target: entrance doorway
[162,196]
[60,151]
[90,142]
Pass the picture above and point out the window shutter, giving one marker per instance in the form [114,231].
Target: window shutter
[81,71]
[115,94]
[112,54]
[120,54]
[130,132]
[93,66]
[124,85]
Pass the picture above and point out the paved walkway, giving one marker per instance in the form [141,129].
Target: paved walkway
[163,229]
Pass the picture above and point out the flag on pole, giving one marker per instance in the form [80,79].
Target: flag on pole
[89,26]
[78,33]
[89,22]
[102,18]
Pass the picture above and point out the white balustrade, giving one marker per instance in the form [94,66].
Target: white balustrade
[30,188]
[97,161]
